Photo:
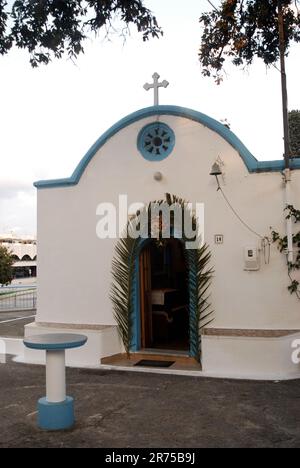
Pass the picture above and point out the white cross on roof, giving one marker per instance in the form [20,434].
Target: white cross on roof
[156,85]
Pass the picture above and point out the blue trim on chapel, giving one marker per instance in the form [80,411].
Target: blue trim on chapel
[136,316]
[149,148]
[252,164]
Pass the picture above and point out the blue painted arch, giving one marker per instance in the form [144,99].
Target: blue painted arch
[252,164]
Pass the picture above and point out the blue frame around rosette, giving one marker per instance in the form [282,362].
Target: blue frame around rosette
[156,141]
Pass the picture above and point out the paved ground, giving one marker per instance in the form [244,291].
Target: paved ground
[117,409]
[12,323]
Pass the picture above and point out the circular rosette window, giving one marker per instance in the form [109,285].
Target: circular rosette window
[156,141]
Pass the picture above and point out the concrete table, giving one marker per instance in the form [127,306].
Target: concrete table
[56,410]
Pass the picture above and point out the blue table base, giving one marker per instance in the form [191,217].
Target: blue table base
[56,416]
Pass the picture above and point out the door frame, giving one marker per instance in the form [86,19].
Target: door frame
[136,319]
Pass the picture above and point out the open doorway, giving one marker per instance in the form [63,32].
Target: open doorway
[164,296]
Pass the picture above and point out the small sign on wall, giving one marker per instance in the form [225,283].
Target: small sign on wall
[219,239]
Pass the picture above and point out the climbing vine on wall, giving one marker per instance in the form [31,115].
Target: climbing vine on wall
[282,243]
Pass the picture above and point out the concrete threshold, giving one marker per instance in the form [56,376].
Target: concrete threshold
[181,362]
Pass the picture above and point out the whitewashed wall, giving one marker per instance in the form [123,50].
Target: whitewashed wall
[74,265]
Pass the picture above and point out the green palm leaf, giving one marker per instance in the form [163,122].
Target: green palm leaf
[124,274]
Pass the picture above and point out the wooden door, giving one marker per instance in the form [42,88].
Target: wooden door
[145,298]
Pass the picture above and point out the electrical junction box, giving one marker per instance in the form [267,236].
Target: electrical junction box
[251,258]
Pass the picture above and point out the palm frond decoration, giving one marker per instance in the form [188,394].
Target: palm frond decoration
[124,271]
[122,289]
[199,282]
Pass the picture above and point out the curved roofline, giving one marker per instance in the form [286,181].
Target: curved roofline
[252,164]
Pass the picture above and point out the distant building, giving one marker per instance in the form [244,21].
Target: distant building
[24,253]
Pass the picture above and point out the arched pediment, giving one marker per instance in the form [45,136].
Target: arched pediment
[252,164]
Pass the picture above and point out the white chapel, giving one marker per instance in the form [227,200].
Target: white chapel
[155,154]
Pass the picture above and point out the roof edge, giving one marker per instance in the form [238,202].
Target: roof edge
[252,164]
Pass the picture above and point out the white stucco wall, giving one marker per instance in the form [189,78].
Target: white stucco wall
[74,265]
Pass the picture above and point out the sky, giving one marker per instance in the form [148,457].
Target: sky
[51,115]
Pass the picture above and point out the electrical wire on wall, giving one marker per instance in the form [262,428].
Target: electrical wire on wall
[266,249]
[265,241]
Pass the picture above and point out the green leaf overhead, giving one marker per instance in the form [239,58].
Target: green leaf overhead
[51,28]
[241,30]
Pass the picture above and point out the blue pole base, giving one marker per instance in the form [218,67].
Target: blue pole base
[56,416]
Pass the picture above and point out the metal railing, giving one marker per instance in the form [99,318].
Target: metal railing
[17,298]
